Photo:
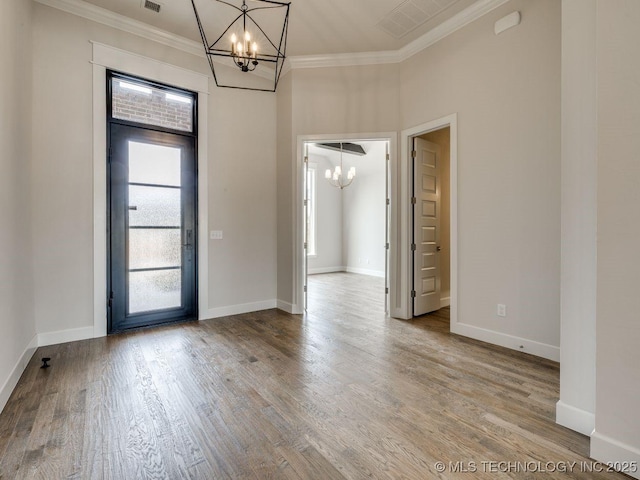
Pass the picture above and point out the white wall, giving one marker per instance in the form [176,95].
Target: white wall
[241,176]
[323,101]
[599,378]
[17,341]
[350,222]
[328,220]
[506,92]
[364,213]
[576,407]
[617,429]
[286,178]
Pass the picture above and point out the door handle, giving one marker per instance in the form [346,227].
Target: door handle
[438,248]
[188,245]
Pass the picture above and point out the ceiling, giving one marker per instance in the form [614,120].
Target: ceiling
[317,27]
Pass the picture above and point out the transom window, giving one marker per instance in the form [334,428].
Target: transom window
[137,101]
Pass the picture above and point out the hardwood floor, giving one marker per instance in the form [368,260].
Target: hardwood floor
[342,392]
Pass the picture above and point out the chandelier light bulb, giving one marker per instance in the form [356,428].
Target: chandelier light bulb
[239,48]
[336,178]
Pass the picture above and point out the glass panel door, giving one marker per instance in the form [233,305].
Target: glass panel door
[154,250]
[152,237]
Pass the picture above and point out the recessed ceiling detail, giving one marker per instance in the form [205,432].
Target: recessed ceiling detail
[410,14]
[345,147]
[324,36]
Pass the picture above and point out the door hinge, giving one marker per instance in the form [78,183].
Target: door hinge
[388,201]
[386,290]
[304,289]
[306,159]
[386,246]
[305,202]
[414,154]
[414,200]
[305,245]
[110,299]
[388,157]
[413,294]
[413,247]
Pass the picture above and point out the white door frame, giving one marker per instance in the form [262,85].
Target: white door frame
[406,227]
[299,222]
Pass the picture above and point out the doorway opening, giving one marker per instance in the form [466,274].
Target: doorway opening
[152,204]
[346,228]
[441,130]
[431,229]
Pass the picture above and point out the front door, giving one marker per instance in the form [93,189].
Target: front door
[152,227]
[426,227]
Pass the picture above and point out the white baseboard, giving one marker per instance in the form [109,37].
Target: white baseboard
[289,308]
[364,271]
[16,372]
[612,452]
[575,418]
[445,302]
[64,336]
[543,350]
[238,309]
[316,271]
[360,271]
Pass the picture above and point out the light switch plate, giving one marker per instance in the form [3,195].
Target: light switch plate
[215,235]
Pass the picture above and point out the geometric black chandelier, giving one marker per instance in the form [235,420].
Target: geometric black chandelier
[250,36]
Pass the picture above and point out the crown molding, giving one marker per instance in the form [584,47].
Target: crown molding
[443,30]
[144,30]
[106,17]
[446,28]
[343,59]
[115,20]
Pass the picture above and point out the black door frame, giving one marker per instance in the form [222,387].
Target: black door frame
[157,135]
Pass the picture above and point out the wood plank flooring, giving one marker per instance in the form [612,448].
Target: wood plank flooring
[342,392]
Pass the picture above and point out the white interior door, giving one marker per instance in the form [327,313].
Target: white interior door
[426,227]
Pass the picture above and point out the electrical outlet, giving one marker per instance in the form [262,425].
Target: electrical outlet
[502,310]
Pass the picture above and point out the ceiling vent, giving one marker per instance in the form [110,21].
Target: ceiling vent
[410,14]
[153,6]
